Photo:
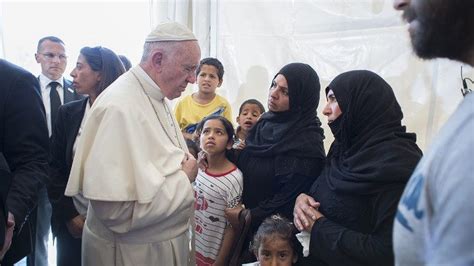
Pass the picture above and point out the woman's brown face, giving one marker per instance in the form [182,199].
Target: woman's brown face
[85,79]
[331,110]
[279,97]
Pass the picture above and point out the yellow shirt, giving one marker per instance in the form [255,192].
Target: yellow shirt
[188,112]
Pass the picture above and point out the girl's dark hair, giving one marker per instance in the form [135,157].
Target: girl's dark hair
[104,61]
[229,129]
[210,61]
[252,101]
[275,225]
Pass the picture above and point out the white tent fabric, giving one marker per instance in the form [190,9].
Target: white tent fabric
[2,52]
[254,39]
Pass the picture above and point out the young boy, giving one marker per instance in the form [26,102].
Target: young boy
[193,108]
[249,113]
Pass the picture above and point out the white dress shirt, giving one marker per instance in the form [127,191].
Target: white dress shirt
[45,89]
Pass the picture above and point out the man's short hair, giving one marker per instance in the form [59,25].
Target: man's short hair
[49,38]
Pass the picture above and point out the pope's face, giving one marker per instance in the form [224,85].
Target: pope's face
[180,70]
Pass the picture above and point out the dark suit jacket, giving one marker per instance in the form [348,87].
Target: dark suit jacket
[25,144]
[68,91]
[64,134]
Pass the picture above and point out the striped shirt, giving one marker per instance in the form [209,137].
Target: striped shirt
[213,194]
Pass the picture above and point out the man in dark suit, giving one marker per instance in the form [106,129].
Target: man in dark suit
[55,91]
[24,144]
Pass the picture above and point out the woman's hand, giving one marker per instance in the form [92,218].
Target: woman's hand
[311,221]
[232,215]
[305,212]
[189,166]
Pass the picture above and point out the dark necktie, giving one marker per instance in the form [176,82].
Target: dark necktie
[55,102]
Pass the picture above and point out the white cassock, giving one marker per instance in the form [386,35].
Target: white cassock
[128,164]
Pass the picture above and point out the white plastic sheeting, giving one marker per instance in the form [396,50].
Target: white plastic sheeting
[256,38]
[118,25]
[2,53]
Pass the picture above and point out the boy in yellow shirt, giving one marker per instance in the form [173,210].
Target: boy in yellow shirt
[193,108]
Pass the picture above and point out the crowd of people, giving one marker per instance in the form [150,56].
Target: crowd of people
[123,179]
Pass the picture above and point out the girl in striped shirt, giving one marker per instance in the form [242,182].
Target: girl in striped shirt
[215,189]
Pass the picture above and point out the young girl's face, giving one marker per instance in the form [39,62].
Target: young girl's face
[274,250]
[208,79]
[214,138]
[249,116]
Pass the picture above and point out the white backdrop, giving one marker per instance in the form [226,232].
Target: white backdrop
[117,25]
[254,39]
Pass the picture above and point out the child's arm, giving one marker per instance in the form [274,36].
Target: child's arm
[234,197]
[224,252]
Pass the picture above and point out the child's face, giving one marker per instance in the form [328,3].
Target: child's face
[275,251]
[208,80]
[249,116]
[214,138]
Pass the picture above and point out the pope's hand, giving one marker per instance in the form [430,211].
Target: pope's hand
[189,166]
[202,160]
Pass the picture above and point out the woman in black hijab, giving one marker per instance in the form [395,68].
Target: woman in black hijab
[284,151]
[351,207]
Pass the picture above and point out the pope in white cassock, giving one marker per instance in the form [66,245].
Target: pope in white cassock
[132,162]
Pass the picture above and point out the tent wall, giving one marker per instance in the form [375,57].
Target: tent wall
[255,38]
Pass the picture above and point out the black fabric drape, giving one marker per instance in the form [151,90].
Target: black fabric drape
[284,152]
[372,150]
[368,165]
[294,135]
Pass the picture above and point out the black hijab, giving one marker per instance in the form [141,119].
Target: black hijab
[372,150]
[294,137]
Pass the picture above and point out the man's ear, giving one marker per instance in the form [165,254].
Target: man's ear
[220,82]
[37,58]
[157,60]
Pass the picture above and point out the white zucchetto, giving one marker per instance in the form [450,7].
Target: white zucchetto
[170,32]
